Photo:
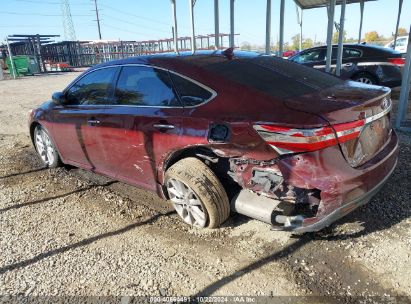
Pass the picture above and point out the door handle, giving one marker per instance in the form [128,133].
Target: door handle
[348,64]
[164,126]
[93,122]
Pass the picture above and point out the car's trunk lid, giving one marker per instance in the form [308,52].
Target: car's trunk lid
[351,102]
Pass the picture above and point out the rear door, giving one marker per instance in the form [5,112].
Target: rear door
[79,129]
[146,118]
[350,59]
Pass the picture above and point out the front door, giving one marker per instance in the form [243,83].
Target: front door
[312,58]
[79,127]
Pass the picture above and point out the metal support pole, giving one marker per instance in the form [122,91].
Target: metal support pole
[398,23]
[216,26]
[232,23]
[405,87]
[1,71]
[281,46]
[340,39]
[40,55]
[174,14]
[11,59]
[193,37]
[300,23]
[268,28]
[331,10]
[361,20]
[301,31]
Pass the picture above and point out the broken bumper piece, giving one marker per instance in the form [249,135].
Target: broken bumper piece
[298,224]
[312,190]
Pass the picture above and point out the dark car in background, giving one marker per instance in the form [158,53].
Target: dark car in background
[365,63]
[277,141]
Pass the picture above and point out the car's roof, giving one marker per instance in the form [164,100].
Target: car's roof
[270,75]
[146,59]
[360,46]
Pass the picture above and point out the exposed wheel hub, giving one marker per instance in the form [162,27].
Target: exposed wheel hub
[186,203]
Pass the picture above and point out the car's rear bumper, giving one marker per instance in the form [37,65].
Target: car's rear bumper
[343,210]
[347,188]
[392,83]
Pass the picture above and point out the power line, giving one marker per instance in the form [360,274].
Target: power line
[39,25]
[48,2]
[124,30]
[39,14]
[146,18]
[136,24]
[134,15]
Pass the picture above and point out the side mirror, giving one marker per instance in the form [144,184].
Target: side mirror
[58,97]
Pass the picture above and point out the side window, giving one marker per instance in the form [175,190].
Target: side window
[93,89]
[144,86]
[190,93]
[347,53]
[351,53]
[401,42]
[309,56]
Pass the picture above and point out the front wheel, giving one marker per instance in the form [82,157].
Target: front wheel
[365,78]
[197,194]
[46,148]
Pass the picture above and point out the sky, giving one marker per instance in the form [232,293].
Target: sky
[151,19]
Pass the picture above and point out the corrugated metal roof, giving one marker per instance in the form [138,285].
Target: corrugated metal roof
[306,4]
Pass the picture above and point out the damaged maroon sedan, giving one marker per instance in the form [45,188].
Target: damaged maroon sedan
[218,131]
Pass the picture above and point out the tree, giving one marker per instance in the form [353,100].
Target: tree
[295,42]
[351,40]
[336,36]
[246,46]
[402,31]
[307,43]
[372,36]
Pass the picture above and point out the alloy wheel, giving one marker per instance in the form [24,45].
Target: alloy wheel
[44,146]
[364,80]
[186,203]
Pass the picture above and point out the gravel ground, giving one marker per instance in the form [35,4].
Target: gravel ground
[66,231]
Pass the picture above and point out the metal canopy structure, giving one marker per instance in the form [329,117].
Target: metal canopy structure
[34,43]
[303,5]
[405,90]
[330,5]
[308,4]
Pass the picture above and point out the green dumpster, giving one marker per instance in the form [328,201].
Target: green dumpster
[23,65]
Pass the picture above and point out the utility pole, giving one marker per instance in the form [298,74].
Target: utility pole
[98,20]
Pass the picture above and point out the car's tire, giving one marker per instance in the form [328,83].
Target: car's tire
[45,147]
[195,190]
[365,78]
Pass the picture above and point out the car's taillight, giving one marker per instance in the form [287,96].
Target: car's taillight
[291,140]
[397,61]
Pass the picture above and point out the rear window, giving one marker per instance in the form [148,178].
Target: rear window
[190,93]
[271,75]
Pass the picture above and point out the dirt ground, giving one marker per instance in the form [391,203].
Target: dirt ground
[66,231]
